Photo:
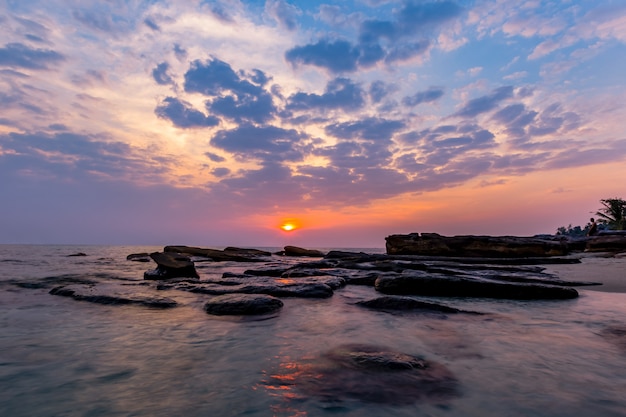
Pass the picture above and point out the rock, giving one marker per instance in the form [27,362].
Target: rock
[409,304]
[242,304]
[368,373]
[235,254]
[433,244]
[100,295]
[171,265]
[139,257]
[77,254]
[296,251]
[427,284]
[607,243]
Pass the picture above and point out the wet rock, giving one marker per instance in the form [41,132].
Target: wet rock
[371,374]
[409,304]
[242,304]
[426,284]
[139,257]
[474,246]
[77,254]
[171,265]
[107,295]
[296,251]
[234,254]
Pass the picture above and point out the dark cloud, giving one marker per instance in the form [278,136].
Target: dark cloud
[263,142]
[214,77]
[152,24]
[236,95]
[432,94]
[285,14]
[183,115]
[214,157]
[69,155]
[180,52]
[221,172]
[485,103]
[378,40]
[256,108]
[160,74]
[337,56]
[340,93]
[379,90]
[22,56]
[369,129]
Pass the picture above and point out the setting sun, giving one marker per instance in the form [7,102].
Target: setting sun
[288,227]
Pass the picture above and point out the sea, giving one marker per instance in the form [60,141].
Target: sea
[62,357]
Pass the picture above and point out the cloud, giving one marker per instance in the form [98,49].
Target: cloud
[485,103]
[337,56]
[369,129]
[183,115]
[17,55]
[268,143]
[427,96]
[151,24]
[379,90]
[284,13]
[160,74]
[340,93]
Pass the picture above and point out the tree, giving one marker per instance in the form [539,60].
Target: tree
[613,213]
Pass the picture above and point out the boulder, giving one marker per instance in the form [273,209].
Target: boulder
[171,265]
[432,244]
[242,304]
[296,251]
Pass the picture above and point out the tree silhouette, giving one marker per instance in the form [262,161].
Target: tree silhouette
[613,213]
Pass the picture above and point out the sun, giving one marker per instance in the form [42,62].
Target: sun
[288,227]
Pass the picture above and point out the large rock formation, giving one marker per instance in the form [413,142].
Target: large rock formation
[433,244]
[171,265]
[607,242]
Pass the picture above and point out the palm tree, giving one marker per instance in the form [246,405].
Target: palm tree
[613,213]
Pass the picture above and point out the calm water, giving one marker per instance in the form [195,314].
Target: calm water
[60,357]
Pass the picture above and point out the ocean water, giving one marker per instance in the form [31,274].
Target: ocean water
[61,357]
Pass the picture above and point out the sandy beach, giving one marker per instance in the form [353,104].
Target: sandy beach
[604,268]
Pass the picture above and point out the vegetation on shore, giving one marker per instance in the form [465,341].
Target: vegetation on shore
[612,216]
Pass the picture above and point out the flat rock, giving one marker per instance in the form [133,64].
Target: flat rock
[426,284]
[242,304]
[409,304]
[103,294]
[475,246]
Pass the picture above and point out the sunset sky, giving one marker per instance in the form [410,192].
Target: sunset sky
[214,123]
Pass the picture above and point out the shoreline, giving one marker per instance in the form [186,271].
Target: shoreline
[597,267]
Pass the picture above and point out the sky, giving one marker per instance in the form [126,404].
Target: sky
[214,123]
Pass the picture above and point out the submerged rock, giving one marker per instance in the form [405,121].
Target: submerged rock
[242,304]
[409,304]
[104,295]
[139,257]
[371,374]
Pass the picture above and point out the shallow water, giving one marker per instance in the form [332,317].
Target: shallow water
[61,357]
